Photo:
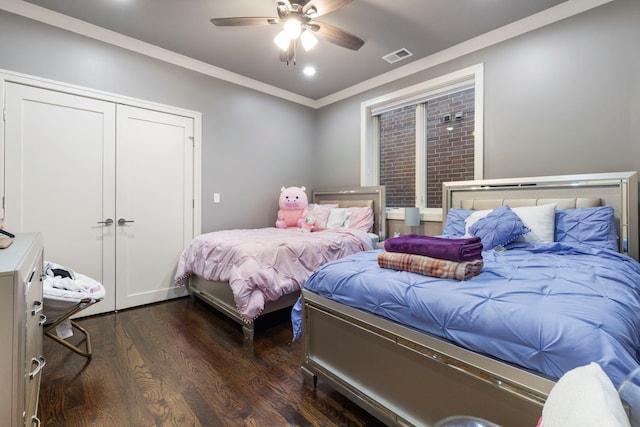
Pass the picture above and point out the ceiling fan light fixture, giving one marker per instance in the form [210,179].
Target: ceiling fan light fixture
[293,28]
[282,40]
[308,40]
[297,20]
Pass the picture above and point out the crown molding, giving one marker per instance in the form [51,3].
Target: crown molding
[46,16]
[515,29]
[533,22]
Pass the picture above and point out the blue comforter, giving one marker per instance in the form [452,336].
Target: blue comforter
[547,307]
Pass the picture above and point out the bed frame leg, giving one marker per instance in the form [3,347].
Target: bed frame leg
[309,378]
[247,330]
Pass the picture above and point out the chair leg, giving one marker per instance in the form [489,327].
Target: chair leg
[70,346]
[49,330]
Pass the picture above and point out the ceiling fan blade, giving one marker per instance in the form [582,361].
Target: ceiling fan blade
[336,35]
[301,3]
[283,7]
[324,6]
[243,21]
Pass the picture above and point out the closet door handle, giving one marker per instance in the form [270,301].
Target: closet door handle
[107,221]
[123,221]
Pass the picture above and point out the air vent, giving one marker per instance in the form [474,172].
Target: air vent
[396,56]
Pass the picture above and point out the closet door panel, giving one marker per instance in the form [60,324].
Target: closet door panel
[60,178]
[154,195]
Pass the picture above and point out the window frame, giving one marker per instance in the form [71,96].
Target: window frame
[369,135]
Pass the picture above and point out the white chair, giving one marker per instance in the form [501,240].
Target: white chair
[64,296]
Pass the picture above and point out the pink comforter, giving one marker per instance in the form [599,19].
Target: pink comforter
[263,264]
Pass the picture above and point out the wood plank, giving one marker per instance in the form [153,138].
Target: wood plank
[180,363]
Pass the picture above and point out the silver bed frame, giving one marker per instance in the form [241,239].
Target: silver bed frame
[219,294]
[406,377]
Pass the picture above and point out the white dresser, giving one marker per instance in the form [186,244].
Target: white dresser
[21,321]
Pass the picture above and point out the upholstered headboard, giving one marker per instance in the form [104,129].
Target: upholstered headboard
[561,203]
[373,197]
[620,190]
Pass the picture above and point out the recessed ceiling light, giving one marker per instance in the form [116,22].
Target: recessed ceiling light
[309,71]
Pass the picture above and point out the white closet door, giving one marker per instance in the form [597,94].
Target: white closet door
[154,203]
[59,179]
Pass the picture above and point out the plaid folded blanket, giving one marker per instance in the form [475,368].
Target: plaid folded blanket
[428,266]
[465,249]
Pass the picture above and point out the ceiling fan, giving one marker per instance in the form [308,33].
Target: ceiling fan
[300,25]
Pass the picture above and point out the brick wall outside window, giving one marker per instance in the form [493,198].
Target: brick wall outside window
[450,153]
[397,156]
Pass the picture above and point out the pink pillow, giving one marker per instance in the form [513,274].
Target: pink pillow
[361,219]
[321,214]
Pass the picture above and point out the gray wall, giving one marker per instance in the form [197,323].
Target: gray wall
[562,99]
[253,143]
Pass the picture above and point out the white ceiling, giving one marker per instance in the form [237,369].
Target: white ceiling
[424,27]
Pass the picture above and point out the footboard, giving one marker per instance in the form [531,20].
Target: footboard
[219,296]
[405,377]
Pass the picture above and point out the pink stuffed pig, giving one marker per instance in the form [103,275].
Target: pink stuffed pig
[293,205]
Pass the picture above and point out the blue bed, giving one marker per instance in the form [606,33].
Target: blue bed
[561,292]
[546,307]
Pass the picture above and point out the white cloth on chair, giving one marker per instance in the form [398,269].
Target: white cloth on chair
[63,289]
[52,270]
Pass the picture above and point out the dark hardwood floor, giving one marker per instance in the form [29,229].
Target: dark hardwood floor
[181,363]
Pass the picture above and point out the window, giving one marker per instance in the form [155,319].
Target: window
[417,138]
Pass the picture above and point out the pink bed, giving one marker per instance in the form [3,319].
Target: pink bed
[264,264]
[248,272]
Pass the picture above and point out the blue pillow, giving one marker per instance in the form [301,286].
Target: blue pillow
[592,226]
[454,226]
[500,227]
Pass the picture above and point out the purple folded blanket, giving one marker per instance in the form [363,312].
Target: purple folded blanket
[436,247]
